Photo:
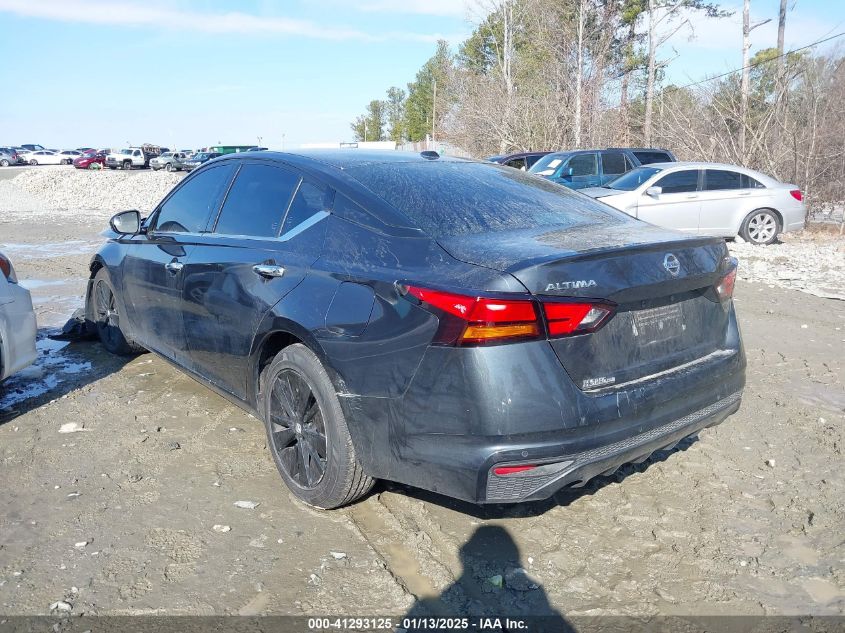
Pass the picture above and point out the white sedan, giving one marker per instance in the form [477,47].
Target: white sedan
[44,157]
[707,199]
[17,322]
[68,155]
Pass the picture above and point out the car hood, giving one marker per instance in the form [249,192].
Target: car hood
[600,192]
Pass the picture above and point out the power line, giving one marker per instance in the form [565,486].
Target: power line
[760,63]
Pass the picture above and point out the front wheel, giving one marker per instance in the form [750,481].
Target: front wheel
[33,162]
[107,318]
[307,431]
[760,227]
[127,165]
[4,163]
[168,167]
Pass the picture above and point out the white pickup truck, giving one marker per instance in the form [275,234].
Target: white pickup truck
[131,157]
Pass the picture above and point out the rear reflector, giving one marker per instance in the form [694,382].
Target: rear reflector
[796,193]
[575,318]
[504,471]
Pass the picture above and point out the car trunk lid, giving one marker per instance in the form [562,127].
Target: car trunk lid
[662,283]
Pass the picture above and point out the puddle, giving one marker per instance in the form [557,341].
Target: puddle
[51,367]
[48,250]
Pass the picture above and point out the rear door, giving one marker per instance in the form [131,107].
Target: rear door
[613,165]
[152,268]
[677,206]
[265,239]
[726,197]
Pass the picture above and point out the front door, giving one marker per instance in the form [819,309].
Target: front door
[152,268]
[264,241]
[677,206]
[579,172]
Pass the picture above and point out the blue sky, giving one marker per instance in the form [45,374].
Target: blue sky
[189,73]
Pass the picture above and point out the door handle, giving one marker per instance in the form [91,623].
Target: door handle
[268,270]
[695,195]
[174,267]
[744,193]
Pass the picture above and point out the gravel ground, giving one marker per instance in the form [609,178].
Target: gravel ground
[129,515]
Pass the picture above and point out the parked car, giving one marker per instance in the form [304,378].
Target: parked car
[33,147]
[132,157]
[92,159]
[257,149]
[520,160]
[68,155]
[594,167]
[9,156]
[707,199]
[17,322]
[453,325]
[44,157]
[198,159]
[168,161]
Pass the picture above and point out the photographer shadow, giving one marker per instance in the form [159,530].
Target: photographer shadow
[493,585]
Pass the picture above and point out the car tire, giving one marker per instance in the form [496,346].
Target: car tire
[168,167]
[760,227]
[303,418]
[33,162]
[91,165]
[107,317]
[4,163]
[127,165]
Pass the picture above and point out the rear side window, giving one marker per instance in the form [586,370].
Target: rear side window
[613,163]
[310,199]
[750,183]
[191,205]
[581,165]
[720,179]
[446,198]
[651,156]
[257,201]
[679,181]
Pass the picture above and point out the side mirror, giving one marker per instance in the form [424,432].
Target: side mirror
[126,223]
[654,191]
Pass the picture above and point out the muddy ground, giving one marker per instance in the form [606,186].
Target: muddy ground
[119,518]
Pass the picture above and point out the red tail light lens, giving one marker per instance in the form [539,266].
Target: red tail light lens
[565,319]
[725,288]
[8,270]
[796,193]
[504,471]
[483,320]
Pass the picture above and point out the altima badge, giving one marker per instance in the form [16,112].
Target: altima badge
[571,285]
[671,263]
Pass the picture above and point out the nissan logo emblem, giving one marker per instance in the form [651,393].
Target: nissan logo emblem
[671,264]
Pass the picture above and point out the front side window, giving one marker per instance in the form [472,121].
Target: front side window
[310,199]
[721,179]
[187,210]
[582,165]
[679,182]
[257,201]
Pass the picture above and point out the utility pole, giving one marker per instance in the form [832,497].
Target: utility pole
[746,78]
[433,110]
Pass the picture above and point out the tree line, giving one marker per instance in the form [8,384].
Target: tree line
[567,74]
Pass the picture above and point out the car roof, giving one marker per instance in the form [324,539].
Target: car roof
[704,165]
[344,158]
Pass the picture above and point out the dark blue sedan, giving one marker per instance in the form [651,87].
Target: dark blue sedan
[453,325]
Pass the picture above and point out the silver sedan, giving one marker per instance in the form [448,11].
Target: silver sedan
[707,199]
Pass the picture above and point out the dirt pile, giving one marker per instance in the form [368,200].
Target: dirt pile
[62,189]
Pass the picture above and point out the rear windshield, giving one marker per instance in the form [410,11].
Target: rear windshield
[456,198]
[652,156]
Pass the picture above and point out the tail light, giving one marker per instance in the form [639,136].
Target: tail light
[7,270]
[473,320]
[796,193]
[725,287]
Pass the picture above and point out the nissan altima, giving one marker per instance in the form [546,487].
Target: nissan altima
[449,324]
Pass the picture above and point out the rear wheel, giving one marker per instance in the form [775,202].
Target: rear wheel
[33,162]
[4,163]
[307,431]
[760,227]
[107,317]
